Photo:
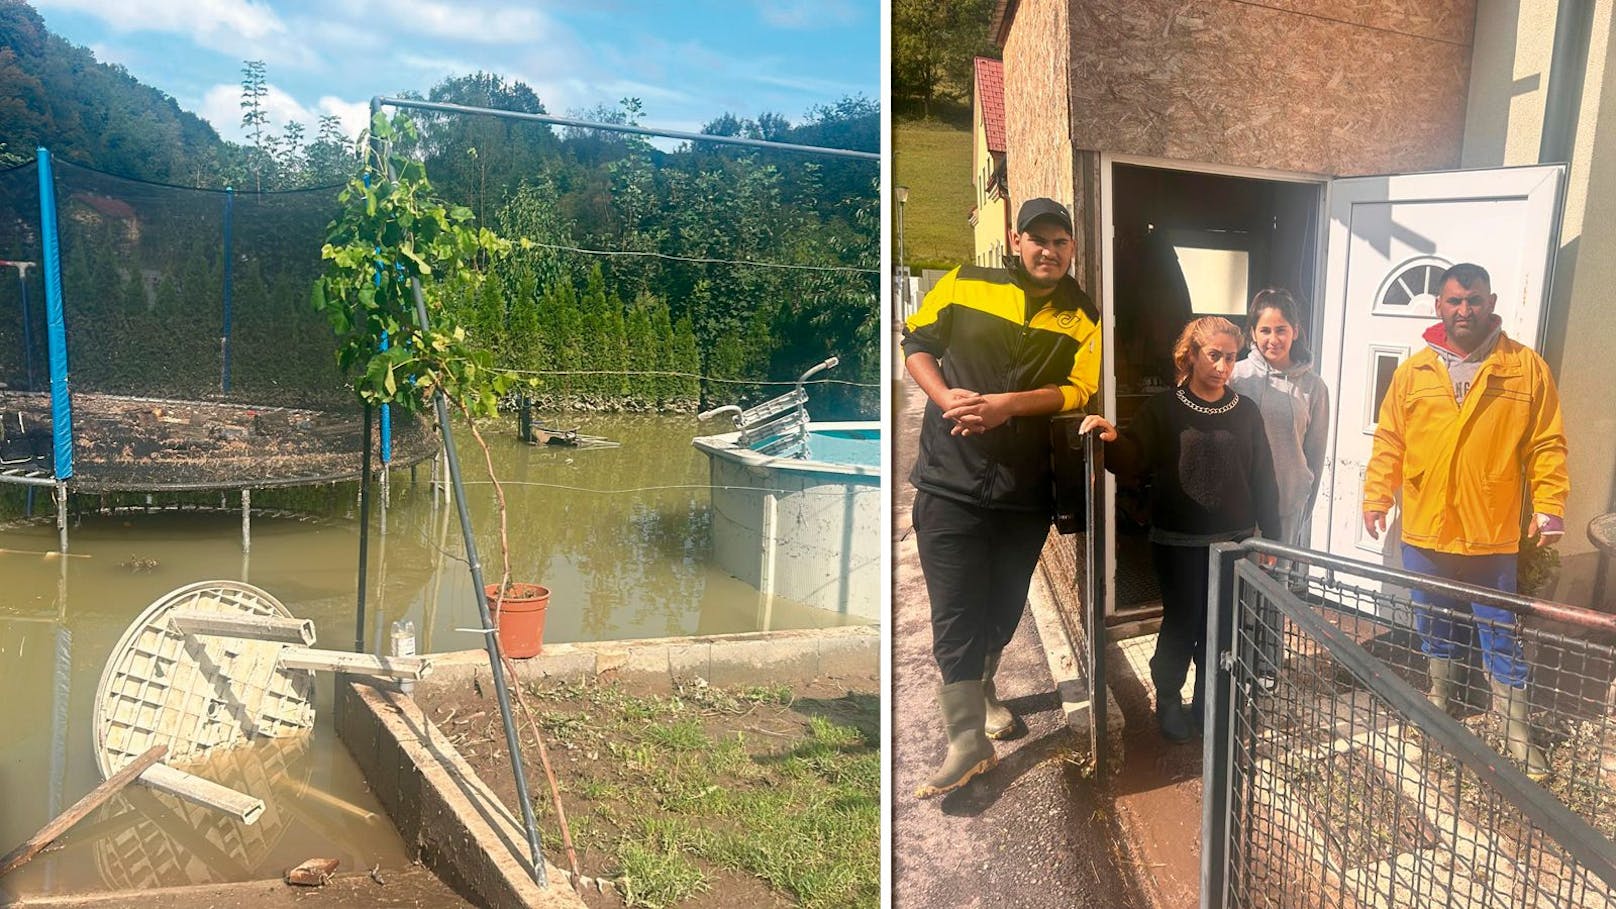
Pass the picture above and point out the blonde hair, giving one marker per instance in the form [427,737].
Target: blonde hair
[1193,339]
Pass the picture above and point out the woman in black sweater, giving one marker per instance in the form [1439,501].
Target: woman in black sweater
[1212,480]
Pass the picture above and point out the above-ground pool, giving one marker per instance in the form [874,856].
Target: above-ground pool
[806,530]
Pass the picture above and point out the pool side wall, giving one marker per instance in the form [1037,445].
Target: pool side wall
[805,531]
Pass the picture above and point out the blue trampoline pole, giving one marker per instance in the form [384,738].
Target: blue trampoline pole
[229,270]
[55,325]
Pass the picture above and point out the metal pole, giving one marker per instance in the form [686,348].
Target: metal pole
[1217,747]
[61,514]
[903,273]
[229,264]
[490,638]
[440,107]
[246,520]
[364,533]
[1094,595]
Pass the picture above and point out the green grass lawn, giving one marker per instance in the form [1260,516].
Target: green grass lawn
[755,797]
[933,159]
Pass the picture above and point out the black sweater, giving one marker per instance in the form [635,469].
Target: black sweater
[1212,474]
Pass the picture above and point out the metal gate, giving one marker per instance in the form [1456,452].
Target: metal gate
[1331,780]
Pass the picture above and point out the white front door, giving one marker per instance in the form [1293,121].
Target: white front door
[1387,239]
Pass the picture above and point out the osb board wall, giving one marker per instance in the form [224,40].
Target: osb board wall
[1037,129]
[1321,86]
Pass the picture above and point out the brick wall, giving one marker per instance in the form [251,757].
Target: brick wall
[1038,127]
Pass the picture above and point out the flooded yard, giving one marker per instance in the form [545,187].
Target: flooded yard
[621,536]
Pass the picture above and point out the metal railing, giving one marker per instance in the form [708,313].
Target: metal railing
[778,426]
[1332,779]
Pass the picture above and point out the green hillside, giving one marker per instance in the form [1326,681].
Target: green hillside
[933,159]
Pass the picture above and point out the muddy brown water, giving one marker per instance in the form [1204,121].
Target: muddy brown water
[621,536]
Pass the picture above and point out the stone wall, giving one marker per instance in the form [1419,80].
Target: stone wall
[1038,125]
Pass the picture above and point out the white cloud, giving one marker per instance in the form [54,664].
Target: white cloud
[516,24]
[245,18]
[221,106]
[806,13]
[355,115]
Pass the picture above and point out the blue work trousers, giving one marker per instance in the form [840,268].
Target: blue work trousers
[1444,638]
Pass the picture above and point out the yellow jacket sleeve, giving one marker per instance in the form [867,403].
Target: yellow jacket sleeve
[1084,380]
[927,330]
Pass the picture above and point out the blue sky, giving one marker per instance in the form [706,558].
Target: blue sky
[688,62]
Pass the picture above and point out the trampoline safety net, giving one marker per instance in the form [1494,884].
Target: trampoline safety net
[194,357]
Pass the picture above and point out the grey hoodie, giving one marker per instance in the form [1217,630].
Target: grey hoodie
[1295,408]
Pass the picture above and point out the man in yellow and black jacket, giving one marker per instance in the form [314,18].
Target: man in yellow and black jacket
[997,351]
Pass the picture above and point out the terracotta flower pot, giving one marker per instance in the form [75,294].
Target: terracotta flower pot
[519,617]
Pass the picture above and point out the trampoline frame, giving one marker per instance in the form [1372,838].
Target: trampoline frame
[60,474]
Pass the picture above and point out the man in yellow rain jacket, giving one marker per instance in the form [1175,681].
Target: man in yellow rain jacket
[1468,425]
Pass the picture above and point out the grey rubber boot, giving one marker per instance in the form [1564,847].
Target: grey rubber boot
[1001,722]
[969,751]
[1442,674]
[1512,705]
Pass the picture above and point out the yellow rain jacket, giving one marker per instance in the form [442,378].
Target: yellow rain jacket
[1462,470]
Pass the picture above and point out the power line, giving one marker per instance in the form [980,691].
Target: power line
[705,261]
[687,375]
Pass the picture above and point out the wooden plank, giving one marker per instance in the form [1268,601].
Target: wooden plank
[396,667]
[242,625]
[204,792]
[48,834]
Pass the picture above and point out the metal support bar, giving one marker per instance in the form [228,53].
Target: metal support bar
[364,534]
[61,515]
[1217,754]
[246,520]
[389,667]
[490,640]
[441,107]
[242,625]
[204,792]
[1521,606]
[1094,596]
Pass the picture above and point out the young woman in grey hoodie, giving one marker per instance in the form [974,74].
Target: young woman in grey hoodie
[1278,375]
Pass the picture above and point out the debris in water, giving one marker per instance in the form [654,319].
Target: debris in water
[315,872]
[137,565]
[376,874]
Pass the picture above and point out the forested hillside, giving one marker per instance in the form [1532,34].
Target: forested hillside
[646,260]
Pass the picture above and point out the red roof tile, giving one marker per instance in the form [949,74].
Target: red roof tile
[990,94]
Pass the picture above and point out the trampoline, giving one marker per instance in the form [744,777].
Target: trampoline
[158,338]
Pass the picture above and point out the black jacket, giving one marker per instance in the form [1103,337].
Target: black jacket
[1211,471]
[975,321]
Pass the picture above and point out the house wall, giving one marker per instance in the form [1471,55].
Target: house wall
[1038,128]
[989,237]
[1335,87]
[1504,127]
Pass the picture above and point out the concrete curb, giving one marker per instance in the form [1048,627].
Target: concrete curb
[1068,668]
[722,659]
[460,829]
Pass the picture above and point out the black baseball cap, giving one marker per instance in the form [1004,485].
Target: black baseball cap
[1033,209]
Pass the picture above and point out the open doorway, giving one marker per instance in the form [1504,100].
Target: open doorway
[1186,244]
